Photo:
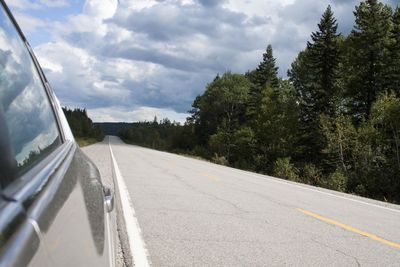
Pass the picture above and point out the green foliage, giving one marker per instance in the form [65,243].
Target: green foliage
[267,72]
[220,142]
[368,54]
[163,135]
[385,118]
[334,123]
[81,125]
[392,82]
[201,151]
[324,56]
[224,101]
[283,168]
[341,137]
[314,75]
[265,76]
[312,174]
[275,124]
[85,141]
[111,128]
[362,152]
[337,181]
[221,160]
[272,114]
[243,148]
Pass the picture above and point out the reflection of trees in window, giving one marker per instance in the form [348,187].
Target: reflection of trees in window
[35,155]
[28,127]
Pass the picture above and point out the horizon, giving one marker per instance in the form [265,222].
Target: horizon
[133,60]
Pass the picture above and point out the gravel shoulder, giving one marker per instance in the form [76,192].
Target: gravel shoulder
[99,153]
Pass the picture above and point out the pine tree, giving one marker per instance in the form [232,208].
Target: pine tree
[394,55]
[265,111]
[368,55]
[267,72]
[266,75]
[324,62]
[314,75]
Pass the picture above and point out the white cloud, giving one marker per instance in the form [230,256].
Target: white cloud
[80,77]
[152,57]
[120,114]
[29,24]
[257,8]
[102,9]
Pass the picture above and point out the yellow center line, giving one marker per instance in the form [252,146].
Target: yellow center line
[211,177]
[351,229]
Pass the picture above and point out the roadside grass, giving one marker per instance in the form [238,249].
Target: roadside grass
[85,141]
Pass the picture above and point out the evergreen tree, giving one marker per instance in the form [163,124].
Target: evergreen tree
[81,125]
[314,75]
[267,72]
[265,76]
[332,124]
[324,62]
[393,81]
[263,102]
[368,55]
[274,125]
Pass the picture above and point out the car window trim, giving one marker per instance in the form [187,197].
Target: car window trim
[48,89]
[39,71]
[14,22]
[26,188]
[30,178]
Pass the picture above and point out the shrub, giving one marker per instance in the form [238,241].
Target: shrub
[360,190]
[221,160]
[201,151]
[337,181]
[312,174]
[286,170]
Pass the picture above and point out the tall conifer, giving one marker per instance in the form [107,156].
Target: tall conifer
[393,79]
[368,55]
[314,75]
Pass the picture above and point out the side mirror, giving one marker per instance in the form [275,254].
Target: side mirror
[108,199]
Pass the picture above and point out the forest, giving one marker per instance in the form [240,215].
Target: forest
[82,127]
[333,122]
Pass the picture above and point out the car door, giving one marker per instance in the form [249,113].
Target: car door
[20,244]
[52,205]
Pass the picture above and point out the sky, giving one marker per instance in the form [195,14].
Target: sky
[131,60]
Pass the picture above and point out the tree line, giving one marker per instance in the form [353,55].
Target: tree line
[160,134]
[334,122]
[81,125]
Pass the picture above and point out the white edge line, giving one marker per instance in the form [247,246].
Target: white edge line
[111,242]
[135,239]
[290,183]
[282,181]
[277,180]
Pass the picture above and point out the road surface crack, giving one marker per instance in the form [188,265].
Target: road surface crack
[337,250]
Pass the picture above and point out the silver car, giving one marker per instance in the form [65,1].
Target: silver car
[54,210]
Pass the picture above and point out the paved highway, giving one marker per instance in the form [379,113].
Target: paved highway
[194,213]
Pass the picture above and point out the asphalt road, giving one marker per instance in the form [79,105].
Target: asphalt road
[100,154]
[194,213]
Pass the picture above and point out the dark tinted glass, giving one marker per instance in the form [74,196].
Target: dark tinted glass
[28,129]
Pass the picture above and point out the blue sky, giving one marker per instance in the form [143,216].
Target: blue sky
[35,16]
[130,60]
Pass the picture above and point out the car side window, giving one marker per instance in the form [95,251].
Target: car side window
[28,128]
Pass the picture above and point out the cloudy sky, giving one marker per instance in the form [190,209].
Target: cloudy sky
[130,60]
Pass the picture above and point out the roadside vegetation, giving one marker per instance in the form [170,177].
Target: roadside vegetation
[335,122]
[82,127]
